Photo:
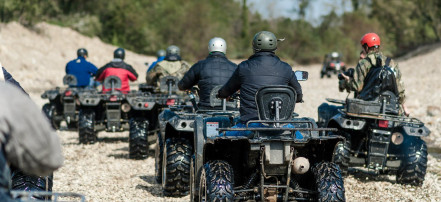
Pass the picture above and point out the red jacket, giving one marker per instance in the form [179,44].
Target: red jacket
[120,69]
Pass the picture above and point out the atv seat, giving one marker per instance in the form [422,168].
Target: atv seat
[217,102]
[112,82]
[275,103]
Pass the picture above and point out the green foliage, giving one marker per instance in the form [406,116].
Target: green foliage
[148,25]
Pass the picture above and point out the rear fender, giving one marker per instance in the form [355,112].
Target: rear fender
[346,123]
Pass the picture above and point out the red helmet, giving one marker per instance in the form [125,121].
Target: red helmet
[371,39]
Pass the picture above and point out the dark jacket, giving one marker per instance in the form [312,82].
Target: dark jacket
[215,70]
[82,69]
[120,69]
[261,69]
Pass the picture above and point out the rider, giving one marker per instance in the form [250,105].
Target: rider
[215,70]
[172,65]
[263,68]
[373,57]
[117,67]
[161,55]
[81,69]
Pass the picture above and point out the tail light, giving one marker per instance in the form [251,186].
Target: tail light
[113,98]
[342,63]
[383,123]
[332,64]
[146,105]
[170,102]
[68,93]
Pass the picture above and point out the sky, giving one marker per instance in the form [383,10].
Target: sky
[287,8]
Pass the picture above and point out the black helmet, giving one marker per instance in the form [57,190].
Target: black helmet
[119,53]
[264,41]
[82,52]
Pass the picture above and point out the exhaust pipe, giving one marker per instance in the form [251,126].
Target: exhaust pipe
[300,165]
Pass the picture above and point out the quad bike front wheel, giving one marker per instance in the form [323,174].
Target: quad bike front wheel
[414,164]
[86,124]
[328,182]
[216,182]
[176,167]
[138,143]
[50,111]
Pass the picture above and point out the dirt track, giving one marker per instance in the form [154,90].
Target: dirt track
[103,171]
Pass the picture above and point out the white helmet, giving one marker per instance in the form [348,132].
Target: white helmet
[334,55]
[217,44]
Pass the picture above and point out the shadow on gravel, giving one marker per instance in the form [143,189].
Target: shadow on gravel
[113,139]
[119,156]
[365,176]
[153,188]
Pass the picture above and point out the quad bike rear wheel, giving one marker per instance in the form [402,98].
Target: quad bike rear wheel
[25,182]
[138,143]
[50,111]
[176,167]
[328,182]
[86,124]
[413,166]
[216,182]
[158,159]
[341,156]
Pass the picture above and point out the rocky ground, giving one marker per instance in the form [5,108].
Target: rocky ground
[102,172]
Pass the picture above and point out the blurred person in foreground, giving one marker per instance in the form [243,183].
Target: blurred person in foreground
[27,140]
[214,70]
[82,69]
[117,67]
[161,55]
[370,58]
[172,65]
[263,68]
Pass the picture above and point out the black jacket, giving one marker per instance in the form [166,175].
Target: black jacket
[215,70]
[261,69]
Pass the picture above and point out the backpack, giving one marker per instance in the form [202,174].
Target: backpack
[380,84]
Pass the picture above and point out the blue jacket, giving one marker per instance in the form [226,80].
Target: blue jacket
[81,69]
[155,62]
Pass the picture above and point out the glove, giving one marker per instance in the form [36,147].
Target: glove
[341,85]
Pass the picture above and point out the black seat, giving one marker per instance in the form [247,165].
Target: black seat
[112,82]
[216,102]
[70,80]
[169,84]
[275,103]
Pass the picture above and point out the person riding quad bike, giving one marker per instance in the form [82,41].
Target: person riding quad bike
[161,55]
[172,65]
[176,135]
[82,69]
[332,65]
[378,133]
[263,68]
[117,67]
[215,70]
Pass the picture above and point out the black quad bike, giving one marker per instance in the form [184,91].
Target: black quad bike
[377,138]
[331,66]
[271,164]
[117,111]
[63,103]
[174,145]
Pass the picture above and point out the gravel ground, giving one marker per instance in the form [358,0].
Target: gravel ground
[103,172]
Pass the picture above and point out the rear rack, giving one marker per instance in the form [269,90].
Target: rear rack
[401,119]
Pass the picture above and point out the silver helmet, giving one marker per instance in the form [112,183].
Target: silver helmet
[173,50]
[217,44]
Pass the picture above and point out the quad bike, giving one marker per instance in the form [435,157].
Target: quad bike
[117,111]
[377,137]
[272,164]
[332,65]
[63,104]
[174,145]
